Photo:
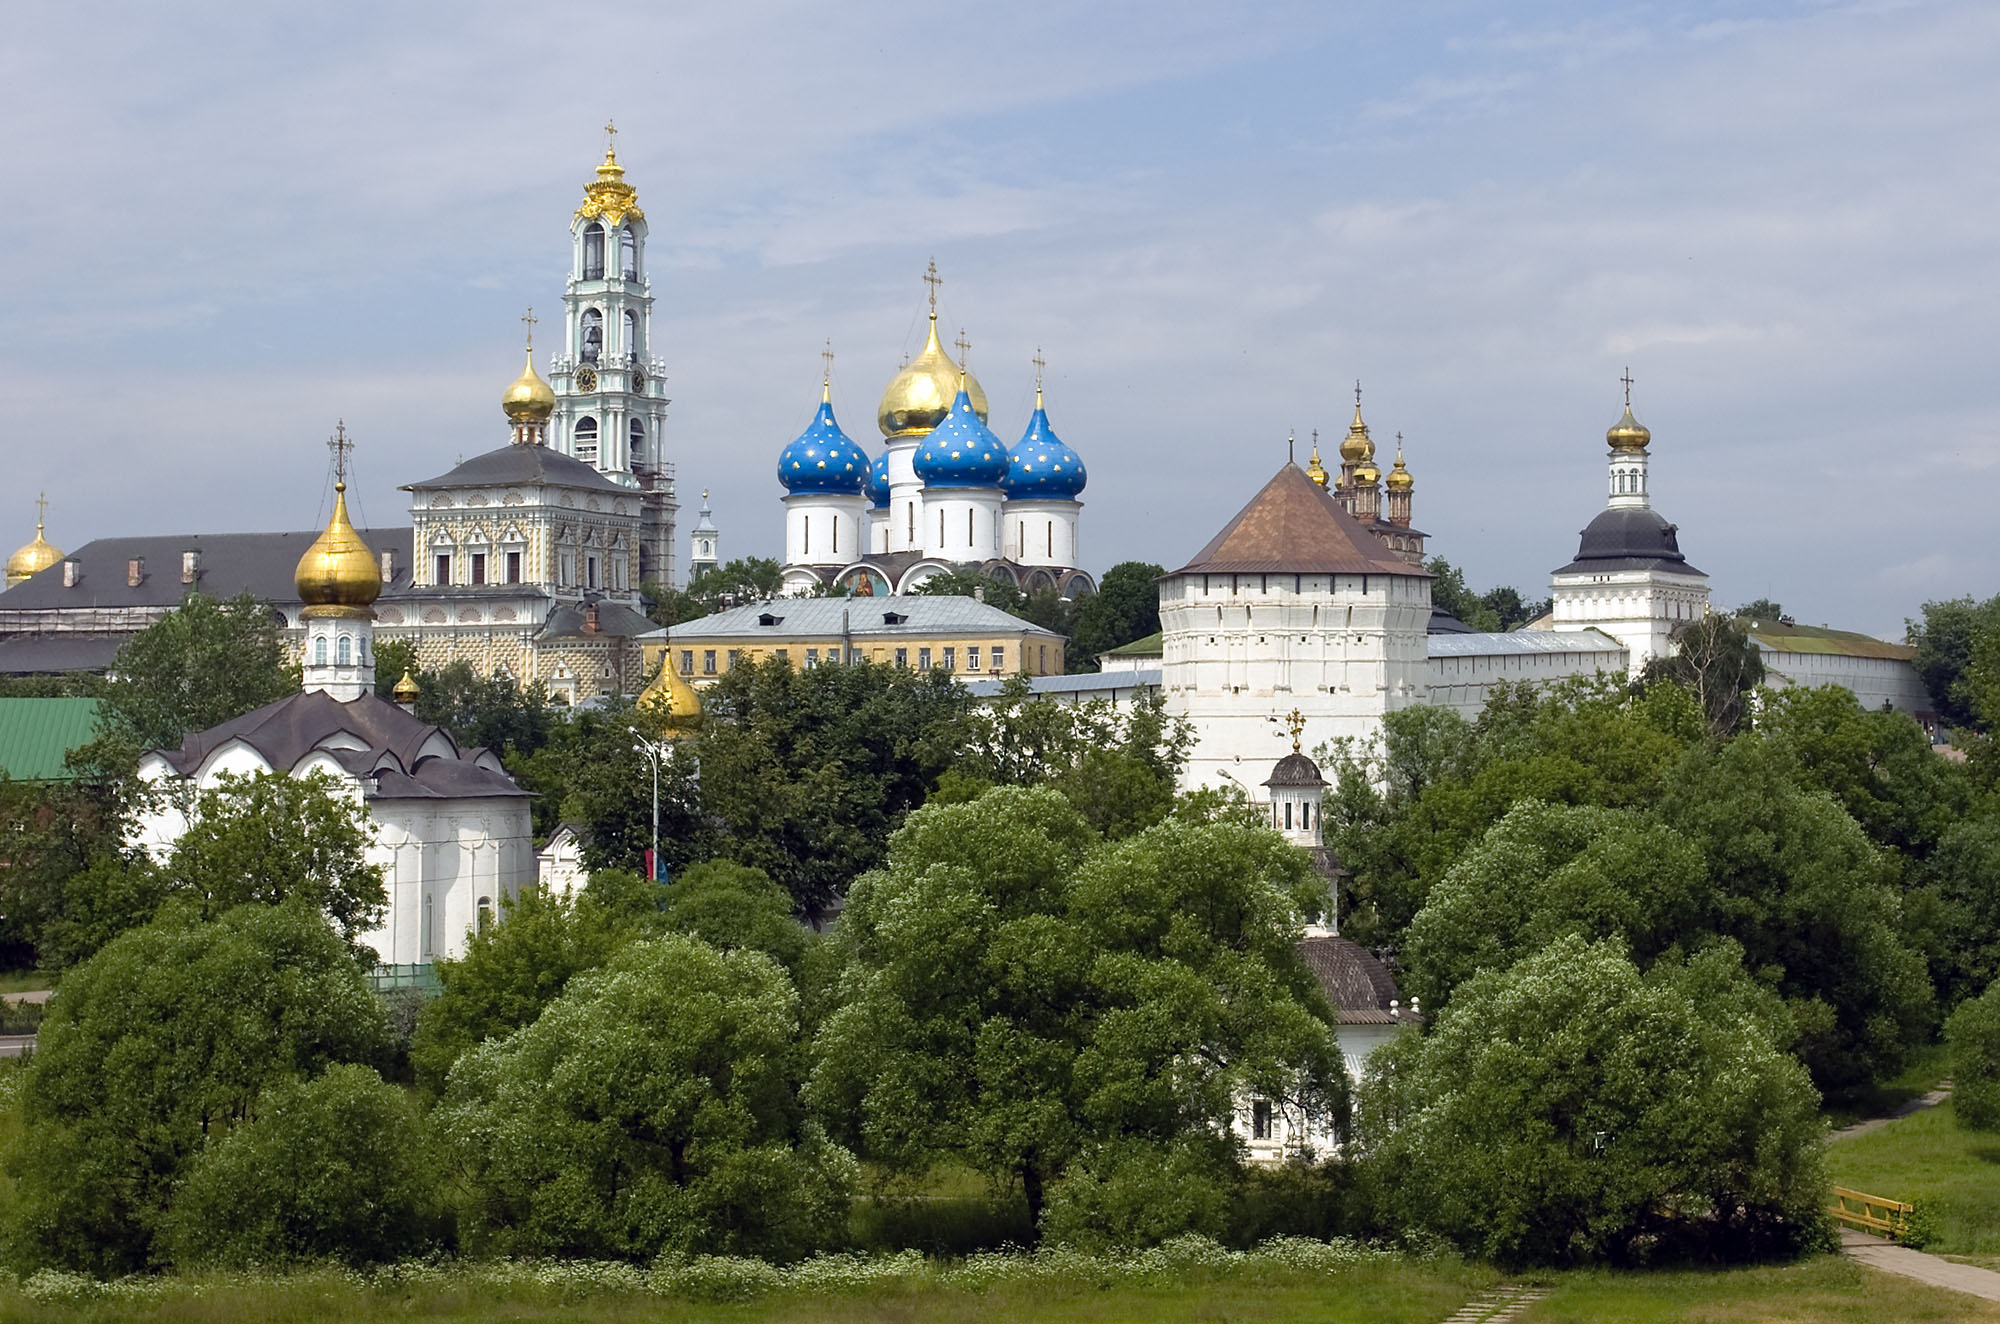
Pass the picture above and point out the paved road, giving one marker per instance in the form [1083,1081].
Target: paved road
[16,1045]
[1935,1270]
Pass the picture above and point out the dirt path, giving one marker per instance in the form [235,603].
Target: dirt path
[1938,1272]
[1931,1100]
[1498,1306]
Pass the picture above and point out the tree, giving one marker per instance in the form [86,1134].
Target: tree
[1548,870]
[331,1168]
[158,1045]
[511,970]
[1568,1111]
[1714,657]
[1944,641]
[1974,1035]
[1450,594]
[490,711]
[1953,914]
[270,838]
[1022,997]
[196,667]
[746,579]
[1762,610]
[648,1109]
[733,907]
[393,659]
[1125,608]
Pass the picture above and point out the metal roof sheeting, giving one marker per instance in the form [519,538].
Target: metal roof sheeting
[822,618]
[1517,642]
[36,735]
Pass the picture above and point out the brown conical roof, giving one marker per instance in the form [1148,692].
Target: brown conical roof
[1295,527]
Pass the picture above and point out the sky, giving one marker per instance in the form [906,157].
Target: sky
[227,226]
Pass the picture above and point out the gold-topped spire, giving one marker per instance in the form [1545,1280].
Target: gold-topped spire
[1039,363]
[825,381]
[609,198]
[669,696]
[338,575]
[36,556]
[1628,433]
[1357,447]
[1399,477]
[1295,721]
[1314,469]
[920,394]
[528,399]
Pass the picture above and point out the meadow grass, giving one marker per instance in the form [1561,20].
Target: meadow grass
[1950,1174]
[1927,1067]
[1826,1288]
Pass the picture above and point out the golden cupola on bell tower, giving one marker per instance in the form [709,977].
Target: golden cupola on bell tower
[338,580]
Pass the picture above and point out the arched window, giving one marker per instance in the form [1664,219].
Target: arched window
[586,439]
[1288,815]
[485,913]
[593,251]
[630,344]
[638,439]
[592,347]
[345,653]
[628,253]
[319,651]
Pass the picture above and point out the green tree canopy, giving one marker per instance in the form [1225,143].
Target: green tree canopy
[1021,996]
[196,667]
[490,710]
[158,1045]
[1568,1111]
[649,1108]
[329,1168]
[1945,639]
[1125,608]
[1713,657]
[734,907]
[746,579]
[1974,1035]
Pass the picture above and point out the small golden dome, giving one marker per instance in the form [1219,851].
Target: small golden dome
[1314,469]
[406,690]
[1357,447]
[1367,476]
[32,559]
[669,695]
[1628,433]
[609,197]
[1399,477]
[529,399]
[919,397]
[338,570]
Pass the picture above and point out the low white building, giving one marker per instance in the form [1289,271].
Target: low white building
[1464,667]
[1881,675]
[451,830]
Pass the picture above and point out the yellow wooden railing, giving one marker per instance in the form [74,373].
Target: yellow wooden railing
[1871,1213]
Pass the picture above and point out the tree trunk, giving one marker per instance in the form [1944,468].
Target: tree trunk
[1031,1186]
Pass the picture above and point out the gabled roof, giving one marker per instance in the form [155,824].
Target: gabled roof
[260,564]
[523,465]
[1293,526]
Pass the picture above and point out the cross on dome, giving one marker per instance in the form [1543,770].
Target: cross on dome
[528,319]
[341,446]
[1627,379]
[610,141]
[932,279]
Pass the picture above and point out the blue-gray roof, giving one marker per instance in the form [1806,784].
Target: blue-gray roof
[824,618]
[1087,682]
[1516,642]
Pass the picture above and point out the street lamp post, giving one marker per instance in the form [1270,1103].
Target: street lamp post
[654,751]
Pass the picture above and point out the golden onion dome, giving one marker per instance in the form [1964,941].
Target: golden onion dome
[669,695]
[919,397]
[1357,446]
[406,690]
[529,399]
[1367,476]
[32,559]
[1314,469]
[1399,477]
[1628,433]
[338,570]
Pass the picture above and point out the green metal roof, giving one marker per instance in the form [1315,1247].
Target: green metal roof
[36,735]
[1781,638]
[1150,646]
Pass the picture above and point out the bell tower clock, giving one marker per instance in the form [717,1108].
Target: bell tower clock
[611,403]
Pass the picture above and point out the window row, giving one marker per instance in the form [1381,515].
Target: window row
[977,658]
[345,651]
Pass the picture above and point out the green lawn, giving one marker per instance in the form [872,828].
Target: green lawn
[1952,1175]
[1827,1290]
[26,981]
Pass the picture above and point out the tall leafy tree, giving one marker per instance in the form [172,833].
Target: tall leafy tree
[1715,658]
[490,711]
[158,1045]
[1125,608]
[196,667]
[1944,640]
[1974,1035]
[746,579]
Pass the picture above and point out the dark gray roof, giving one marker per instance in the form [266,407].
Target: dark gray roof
[52,654]
[1629,538]
[1443,622]
[284,732]
[614,621]
[261,564]
[1359,986]
[1295,769]
[522,465]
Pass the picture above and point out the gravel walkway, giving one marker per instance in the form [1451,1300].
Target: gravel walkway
[1938,1272]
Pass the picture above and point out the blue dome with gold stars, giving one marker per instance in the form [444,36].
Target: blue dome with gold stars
[1041,467]
[823,460]
[877,488]
[961,451]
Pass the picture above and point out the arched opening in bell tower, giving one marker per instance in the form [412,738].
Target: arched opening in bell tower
[628,253]
[630,345]
[586,439]
[592,347]
[638,441]
[593,251]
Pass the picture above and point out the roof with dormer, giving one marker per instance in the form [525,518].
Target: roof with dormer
[1294,526]
[511,466]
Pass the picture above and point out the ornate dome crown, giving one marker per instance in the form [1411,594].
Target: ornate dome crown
[962,451]
[1041,465]
[823,459]
[529,399]
[338,570]
[877,489]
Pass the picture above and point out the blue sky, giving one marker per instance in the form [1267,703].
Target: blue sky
[228,225]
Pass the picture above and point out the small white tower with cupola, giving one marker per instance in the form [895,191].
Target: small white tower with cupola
[611,402]
[1044,479]
[339,579]
[705,546]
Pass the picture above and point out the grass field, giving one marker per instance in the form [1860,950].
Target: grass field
[26,981]
[1952,1175]
[1827,1290]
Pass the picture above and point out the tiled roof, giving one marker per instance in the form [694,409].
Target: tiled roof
[1359,986]
[1293,526]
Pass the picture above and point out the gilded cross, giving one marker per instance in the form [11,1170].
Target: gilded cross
[528,319]
[1627,379]
[339,444]
[1296,720]
[964,347]
[932,279]
[1357,393]
[827,354]
[610,141]
[1039,363]
[41,509]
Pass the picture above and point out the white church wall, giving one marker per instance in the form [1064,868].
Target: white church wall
[1464,668]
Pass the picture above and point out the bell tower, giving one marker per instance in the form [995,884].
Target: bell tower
[611,402]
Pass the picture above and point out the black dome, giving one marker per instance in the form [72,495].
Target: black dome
[1629,537]
[1296,770]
